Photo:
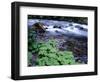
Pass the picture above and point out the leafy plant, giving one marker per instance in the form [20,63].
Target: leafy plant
[47,52]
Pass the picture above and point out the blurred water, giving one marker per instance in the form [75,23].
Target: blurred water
[67,28]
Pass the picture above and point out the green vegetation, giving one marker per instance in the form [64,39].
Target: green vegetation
[47,53]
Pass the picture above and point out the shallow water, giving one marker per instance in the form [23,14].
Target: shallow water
[67,28]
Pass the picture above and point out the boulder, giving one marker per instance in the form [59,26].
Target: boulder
[39,27]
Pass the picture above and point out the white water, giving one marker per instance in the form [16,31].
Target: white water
[65,27]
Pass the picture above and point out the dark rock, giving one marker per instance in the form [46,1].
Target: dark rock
[39,27]
[57,27]
[80,28]
[70,24]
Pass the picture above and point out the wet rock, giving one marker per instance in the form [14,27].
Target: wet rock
[39,27]
[80,28]
[81,59]
[70,24]
[57,27]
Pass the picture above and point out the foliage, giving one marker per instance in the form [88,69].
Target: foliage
[32,44]
[47,52]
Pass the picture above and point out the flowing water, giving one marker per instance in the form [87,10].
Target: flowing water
[62,27]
